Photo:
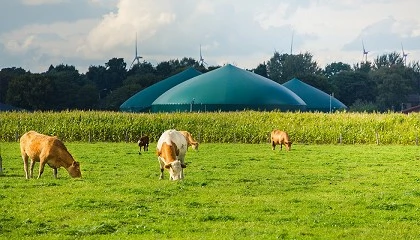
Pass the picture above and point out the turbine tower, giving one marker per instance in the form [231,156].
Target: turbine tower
[365,53]
[136,56]
[404,55]
[201,61]
[291,44]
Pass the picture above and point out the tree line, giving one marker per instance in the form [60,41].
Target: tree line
[386,84]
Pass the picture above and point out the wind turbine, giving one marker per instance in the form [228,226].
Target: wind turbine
[365,53]
[291,44]
[404,54]
[136,56]
[201,61]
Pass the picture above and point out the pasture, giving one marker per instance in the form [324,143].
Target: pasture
[230,191]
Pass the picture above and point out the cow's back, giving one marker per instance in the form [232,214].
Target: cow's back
[37,146]
[173,136]
[34,144]
[275,136]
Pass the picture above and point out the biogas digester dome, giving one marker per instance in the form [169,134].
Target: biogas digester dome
[228,89]
[143,100]
[315,99]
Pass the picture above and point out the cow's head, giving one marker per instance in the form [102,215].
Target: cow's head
[194,146]
[74,170]
[175,169]
[288,145]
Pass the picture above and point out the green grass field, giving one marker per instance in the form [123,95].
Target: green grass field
[230,191]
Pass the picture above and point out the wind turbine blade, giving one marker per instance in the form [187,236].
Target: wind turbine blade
[363,45]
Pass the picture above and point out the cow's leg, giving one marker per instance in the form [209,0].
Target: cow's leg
[41,168]
[25,165]
[55,172]
[182,174]
[281,146]
[31,169]
[162,167]
[161,173]
[273,145]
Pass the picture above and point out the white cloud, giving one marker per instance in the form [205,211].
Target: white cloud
[42,2]
[245,33]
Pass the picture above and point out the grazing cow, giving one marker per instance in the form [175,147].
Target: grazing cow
[190,140]
[143,142]
[46,150]
[279,138]
[171,150]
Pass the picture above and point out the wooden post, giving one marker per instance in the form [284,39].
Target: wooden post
[377,138]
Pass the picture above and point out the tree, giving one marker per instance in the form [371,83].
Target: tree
[393,87]
[388,60]
[283,67]
[350,86]
[6,75]
[116,72]
[66,81]
[142,68]
[86,97]
[164,69]
[261,70]
[335,67]
[31,92]
[96,74]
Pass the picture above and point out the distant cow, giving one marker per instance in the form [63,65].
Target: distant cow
[46,150]
[190,140]
[143,142]
[171,150]
[279,138]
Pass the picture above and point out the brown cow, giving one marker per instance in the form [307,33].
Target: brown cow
[46,150]
[190,140]
[143,142]
[279,138]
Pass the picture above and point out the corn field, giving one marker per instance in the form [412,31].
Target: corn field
[218,127]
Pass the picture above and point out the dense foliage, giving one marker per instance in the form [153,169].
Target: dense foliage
[385,84]
[225,127]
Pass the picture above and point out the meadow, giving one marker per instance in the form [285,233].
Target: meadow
[230,191]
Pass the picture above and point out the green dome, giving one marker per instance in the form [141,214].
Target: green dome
[315,99]
[228,89]
[142,100]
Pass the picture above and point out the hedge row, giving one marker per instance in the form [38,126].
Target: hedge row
[226,127]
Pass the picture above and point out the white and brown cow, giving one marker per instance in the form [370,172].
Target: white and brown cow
[279,138]
[46,150]
[190,140]
[171,150]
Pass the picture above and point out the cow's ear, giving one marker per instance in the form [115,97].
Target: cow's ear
[183,165]
[76,164]
[167,166]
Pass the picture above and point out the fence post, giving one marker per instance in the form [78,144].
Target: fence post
[377,138]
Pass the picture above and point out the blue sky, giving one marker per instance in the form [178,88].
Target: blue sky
[37,33]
